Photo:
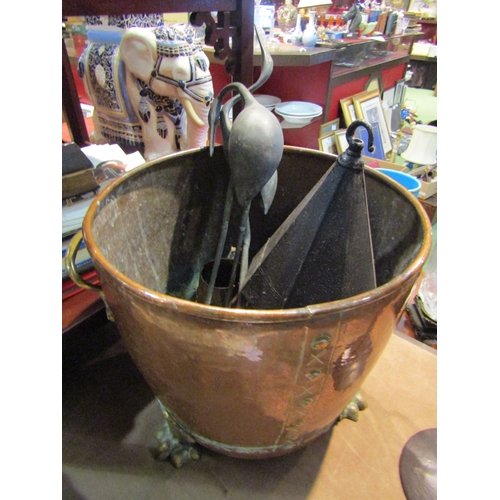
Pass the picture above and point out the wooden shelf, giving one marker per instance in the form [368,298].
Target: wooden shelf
[80,308]
[424,58]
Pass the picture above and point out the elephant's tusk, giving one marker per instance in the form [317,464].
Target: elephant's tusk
[188,106]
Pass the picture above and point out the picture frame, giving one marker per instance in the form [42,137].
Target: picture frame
[327,143]
[348,110]
[398,92]
[368,106]
[341,140]
[374,82]
[326,128]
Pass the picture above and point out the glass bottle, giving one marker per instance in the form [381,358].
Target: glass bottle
[286,16]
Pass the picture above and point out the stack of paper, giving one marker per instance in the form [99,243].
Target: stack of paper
[74,209]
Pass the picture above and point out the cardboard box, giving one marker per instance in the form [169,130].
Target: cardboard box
[427,190]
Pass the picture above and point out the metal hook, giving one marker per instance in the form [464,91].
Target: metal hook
[356,144]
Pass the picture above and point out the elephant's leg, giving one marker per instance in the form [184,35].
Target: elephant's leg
[96,136]
[159,136]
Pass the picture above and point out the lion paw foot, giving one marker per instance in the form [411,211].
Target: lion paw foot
[351,411]
[175,444]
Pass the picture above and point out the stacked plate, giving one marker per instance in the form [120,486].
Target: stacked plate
[298,111]
[268,101]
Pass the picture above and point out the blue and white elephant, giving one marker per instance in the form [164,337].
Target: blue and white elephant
[151,87]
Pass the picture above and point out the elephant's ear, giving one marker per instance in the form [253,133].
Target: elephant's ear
[138,52]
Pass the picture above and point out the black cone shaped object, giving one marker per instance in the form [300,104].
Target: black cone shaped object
[323,251]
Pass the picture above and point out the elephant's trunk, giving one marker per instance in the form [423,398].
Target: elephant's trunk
[192,115]
[197,123]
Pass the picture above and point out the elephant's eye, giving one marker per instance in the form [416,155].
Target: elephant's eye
[202,64]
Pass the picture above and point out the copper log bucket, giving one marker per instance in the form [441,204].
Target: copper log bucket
[245,383]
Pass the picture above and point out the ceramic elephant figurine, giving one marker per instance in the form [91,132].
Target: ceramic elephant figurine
[151,87]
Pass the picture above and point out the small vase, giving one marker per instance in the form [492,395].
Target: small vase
[310,35]
[286,16]
[297,33]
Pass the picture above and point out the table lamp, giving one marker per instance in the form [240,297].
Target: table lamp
[422,149]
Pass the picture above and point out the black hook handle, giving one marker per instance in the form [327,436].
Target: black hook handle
[355,143]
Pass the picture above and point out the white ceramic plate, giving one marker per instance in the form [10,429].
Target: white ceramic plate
[268,101]
[299,108]
[296,119]
[312,115]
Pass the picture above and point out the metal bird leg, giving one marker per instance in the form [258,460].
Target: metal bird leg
[253,147]
[222,240]
[243,227]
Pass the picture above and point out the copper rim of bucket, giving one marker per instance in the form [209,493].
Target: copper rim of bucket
[256,315]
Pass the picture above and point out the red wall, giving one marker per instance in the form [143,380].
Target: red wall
[307,83]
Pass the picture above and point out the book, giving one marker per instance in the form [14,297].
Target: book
[83,262]
[79,182]
[390,25]
[74,159]
[381,22]
[77,172]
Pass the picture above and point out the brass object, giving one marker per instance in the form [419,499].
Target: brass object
[175,444]
[71,267]
[69,262]
[351,411]
[246,383]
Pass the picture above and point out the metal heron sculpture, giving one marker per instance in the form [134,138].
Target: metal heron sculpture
[253,147]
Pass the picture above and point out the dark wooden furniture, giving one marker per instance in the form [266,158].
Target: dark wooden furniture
[235,20]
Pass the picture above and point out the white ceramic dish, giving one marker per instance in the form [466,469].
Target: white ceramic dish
[296,119]
[268,101]
[299,108]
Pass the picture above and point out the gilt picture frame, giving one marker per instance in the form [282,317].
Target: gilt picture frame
[368,106]
[327,143]
[341,140]
[348,110]
[328,127]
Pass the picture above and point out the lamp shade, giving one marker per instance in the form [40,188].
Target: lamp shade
[423,146]
[309,4]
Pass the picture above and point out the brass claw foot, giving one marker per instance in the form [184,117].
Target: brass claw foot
[175,444]
[351,411]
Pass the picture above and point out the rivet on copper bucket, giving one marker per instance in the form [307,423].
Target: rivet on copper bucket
[292,434]
[321,342]
[305,401]
[314,374]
